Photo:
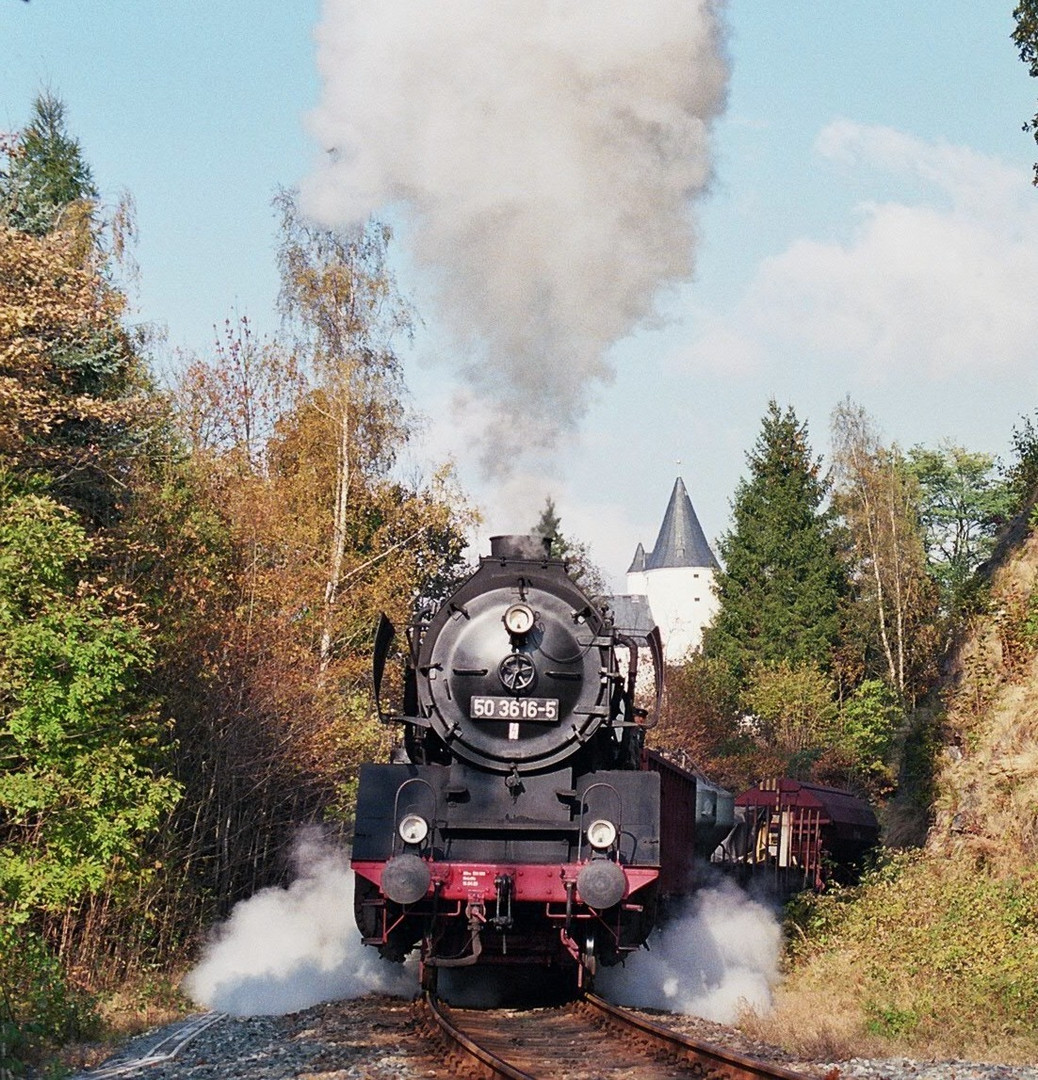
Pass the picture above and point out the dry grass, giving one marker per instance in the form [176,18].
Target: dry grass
[127,1013]
[818,1016]
[145,1001]
[931,957]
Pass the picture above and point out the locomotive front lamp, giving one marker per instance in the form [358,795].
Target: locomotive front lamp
[413,829]
[601,834]
[519,619]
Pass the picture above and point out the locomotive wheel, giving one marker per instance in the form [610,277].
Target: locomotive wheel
[588,964]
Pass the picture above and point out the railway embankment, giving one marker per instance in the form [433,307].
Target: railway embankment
[936,953]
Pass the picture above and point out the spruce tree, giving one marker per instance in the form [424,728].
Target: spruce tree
[75,395]
[46,171]
[783,579]
[574,553]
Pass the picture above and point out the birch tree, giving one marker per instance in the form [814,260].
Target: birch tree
[339,297]
[878,498]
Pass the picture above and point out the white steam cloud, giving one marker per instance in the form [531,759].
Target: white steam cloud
[287,949]
[718,961]
[546,154]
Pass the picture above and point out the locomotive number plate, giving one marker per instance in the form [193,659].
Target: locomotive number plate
[509,708]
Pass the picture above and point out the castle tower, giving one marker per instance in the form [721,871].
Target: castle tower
[677,577]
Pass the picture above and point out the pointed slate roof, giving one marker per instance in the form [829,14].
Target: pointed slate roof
[681,541]
[638,562]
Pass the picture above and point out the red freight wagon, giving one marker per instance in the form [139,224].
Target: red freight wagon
[799,835]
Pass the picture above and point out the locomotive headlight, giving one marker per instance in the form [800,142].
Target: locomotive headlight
[519,619]
[413,829]
[601,834]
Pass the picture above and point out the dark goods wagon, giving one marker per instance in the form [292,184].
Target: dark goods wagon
[521,824]
[695,816]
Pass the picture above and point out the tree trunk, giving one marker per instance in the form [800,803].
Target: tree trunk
[337,541]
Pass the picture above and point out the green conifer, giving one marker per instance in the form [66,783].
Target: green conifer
[783,579]
[45,173]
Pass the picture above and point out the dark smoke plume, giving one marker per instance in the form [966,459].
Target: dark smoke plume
[546,154]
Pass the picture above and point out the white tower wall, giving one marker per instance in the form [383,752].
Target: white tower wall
[683,603]
[637,585]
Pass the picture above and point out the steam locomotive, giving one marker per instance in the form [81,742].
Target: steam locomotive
[524,822]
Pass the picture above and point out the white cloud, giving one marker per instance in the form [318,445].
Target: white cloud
[939,283]
[722,346]
[973,181]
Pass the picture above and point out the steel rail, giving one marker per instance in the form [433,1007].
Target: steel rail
[498,1066]
[165,1050]
[727,1063]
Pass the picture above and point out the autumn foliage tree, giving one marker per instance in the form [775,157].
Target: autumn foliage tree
[699,722]
[878,499]
[306,534]
[188,595]
[84,787]
[75,403]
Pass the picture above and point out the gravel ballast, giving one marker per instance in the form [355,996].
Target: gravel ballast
[379,1037]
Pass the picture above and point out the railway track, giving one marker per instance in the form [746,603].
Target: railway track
[174,1039]
[586,1040]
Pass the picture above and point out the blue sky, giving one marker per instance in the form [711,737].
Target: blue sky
[870,230]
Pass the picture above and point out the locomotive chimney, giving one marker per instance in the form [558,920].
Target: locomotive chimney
[522,546]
